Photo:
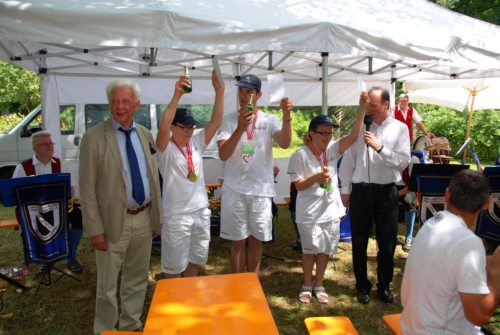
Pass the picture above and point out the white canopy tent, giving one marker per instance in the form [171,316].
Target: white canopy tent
[456,94]
[475,94]
[321,48]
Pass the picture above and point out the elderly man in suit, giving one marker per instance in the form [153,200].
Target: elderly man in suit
[120,197]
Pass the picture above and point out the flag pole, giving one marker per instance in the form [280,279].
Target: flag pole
[472,92]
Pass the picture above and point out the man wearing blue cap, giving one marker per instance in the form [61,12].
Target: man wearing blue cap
[245,144]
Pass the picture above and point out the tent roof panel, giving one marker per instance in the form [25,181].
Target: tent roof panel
[376,40]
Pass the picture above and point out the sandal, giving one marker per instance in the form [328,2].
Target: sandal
[305,294]
[321,295]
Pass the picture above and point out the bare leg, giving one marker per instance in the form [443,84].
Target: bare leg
[321,263]
[318,289]
[307,268]
[191,270]
[254,254]
[238,256]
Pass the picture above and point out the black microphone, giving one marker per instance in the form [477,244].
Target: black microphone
[463,147]
[368,121]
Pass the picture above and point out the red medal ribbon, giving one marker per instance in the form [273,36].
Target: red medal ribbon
[187,155]
[254,123]
[318,157]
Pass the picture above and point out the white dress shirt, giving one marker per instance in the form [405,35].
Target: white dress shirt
[136,143]
[380,168]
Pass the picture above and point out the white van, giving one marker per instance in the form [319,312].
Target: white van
[15,146]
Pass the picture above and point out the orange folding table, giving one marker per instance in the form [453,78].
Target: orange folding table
[220,304]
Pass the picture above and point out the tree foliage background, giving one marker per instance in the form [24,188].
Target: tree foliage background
[452,124]
[486,10]
[19,89]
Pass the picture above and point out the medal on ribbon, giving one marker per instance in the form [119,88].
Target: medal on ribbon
[192,176]
[188,155]
[323,162]
[248,149]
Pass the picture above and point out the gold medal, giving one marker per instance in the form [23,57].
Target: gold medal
[192,177]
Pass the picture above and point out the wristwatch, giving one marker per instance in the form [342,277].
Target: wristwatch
[379,150]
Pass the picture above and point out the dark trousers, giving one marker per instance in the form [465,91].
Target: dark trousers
[378,204]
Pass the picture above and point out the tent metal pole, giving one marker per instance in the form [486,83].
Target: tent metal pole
[393,97]
[324,85]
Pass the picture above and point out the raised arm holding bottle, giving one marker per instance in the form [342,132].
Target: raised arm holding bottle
[313,169]
[186,229]
[245,144]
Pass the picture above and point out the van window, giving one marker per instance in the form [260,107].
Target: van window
[67,119]
[97,113]
[35,124]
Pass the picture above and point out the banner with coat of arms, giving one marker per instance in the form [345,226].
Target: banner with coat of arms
[432,195]
[430,182]
[42,203]
[488,223]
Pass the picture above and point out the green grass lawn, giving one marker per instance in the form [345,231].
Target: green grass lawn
[67,307]
[7,213]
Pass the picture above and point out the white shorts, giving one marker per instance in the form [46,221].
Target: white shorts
[185,239]
[319,238]
[243,215]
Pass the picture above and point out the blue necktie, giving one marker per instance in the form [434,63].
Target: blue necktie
[135,172]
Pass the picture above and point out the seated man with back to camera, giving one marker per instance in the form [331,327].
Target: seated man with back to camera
[449,285]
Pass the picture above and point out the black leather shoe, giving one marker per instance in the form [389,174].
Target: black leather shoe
[297,246]
[363,297]
[386,296]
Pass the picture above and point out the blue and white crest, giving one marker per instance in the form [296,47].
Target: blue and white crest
[44,220]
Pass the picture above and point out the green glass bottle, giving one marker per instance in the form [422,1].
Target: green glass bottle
[187,89]
[250,104]
[325,170]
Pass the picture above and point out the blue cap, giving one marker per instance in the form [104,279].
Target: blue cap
[250,81]
[184,116]
[321,120]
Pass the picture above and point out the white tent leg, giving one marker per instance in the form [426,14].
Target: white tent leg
[50,110]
